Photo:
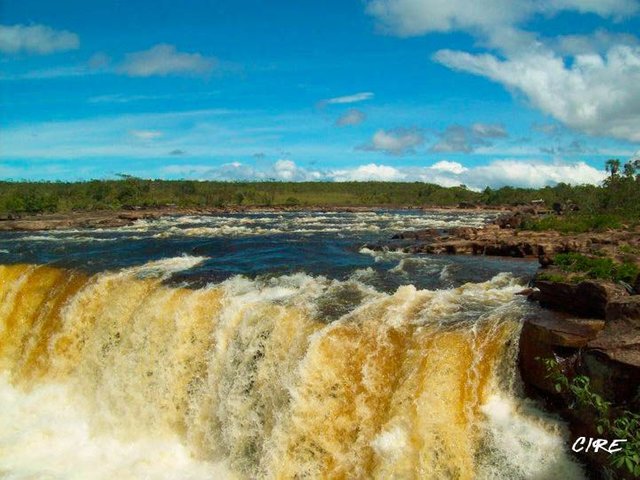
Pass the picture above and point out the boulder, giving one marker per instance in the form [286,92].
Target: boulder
[426,234]
[588,298]
[624,308]
[510,220]
[130,216]
[544,259]
[614,373]
[467,205]
[612,359]
[548,334]
[465,233]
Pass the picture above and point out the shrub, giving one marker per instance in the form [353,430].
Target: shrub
[603,268]
[610,422]
[578,223]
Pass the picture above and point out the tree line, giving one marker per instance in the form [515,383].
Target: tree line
[619,194]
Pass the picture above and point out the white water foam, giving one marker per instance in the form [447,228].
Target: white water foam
[250,371]
[524,443]
[45,435]
[268,223]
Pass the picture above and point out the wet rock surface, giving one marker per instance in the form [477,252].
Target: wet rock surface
[589,298]
[549,334]
[501,238]
[606,350]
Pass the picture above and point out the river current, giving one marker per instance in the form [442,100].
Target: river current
[265,345]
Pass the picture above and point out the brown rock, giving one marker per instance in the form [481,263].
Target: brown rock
[624,308]
[426,234]
[614,373]
[466,233]
[544,260]
[612,359]
[130,216]
[560,330]
[552,335]
[589,298]
[467,205]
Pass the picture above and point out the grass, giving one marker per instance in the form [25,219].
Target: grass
[629,249]
[552,277]
[578,223]
[598,267]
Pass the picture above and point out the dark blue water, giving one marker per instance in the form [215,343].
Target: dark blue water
[268,244]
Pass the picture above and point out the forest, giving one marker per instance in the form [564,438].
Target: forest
[616,200]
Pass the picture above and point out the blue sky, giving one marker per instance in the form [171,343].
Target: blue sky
[492,92]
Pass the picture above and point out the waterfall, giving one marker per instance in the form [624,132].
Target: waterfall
[276,377]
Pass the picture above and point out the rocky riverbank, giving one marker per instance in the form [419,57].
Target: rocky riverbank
[126,217]
[502,238]
[592,331]
[589,325]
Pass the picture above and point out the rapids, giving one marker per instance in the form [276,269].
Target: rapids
[123,373]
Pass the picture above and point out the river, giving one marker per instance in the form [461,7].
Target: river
[265,345]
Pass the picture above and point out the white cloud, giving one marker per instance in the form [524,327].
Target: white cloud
[489,130]
[232,171]
[146,134]
[599,42]
[287,170]
[499,173]
[599,95]
[383,173]
[417,17]
[550,129]
[354,98]
[521,173]
[399,141]
[596,90]
[99,61]
[163,59]
[351,117]
[282,170]
[121,98]
[55,72]
[449,167]
[574,147]
[604,8]
[36,39]
[533,174]
[456,138]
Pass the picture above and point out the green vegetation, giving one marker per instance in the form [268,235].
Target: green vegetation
[615,203]
[613,423]
[578,222]
[597,267]
[610,206]
[554,277]
[48,197]
[629,249]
